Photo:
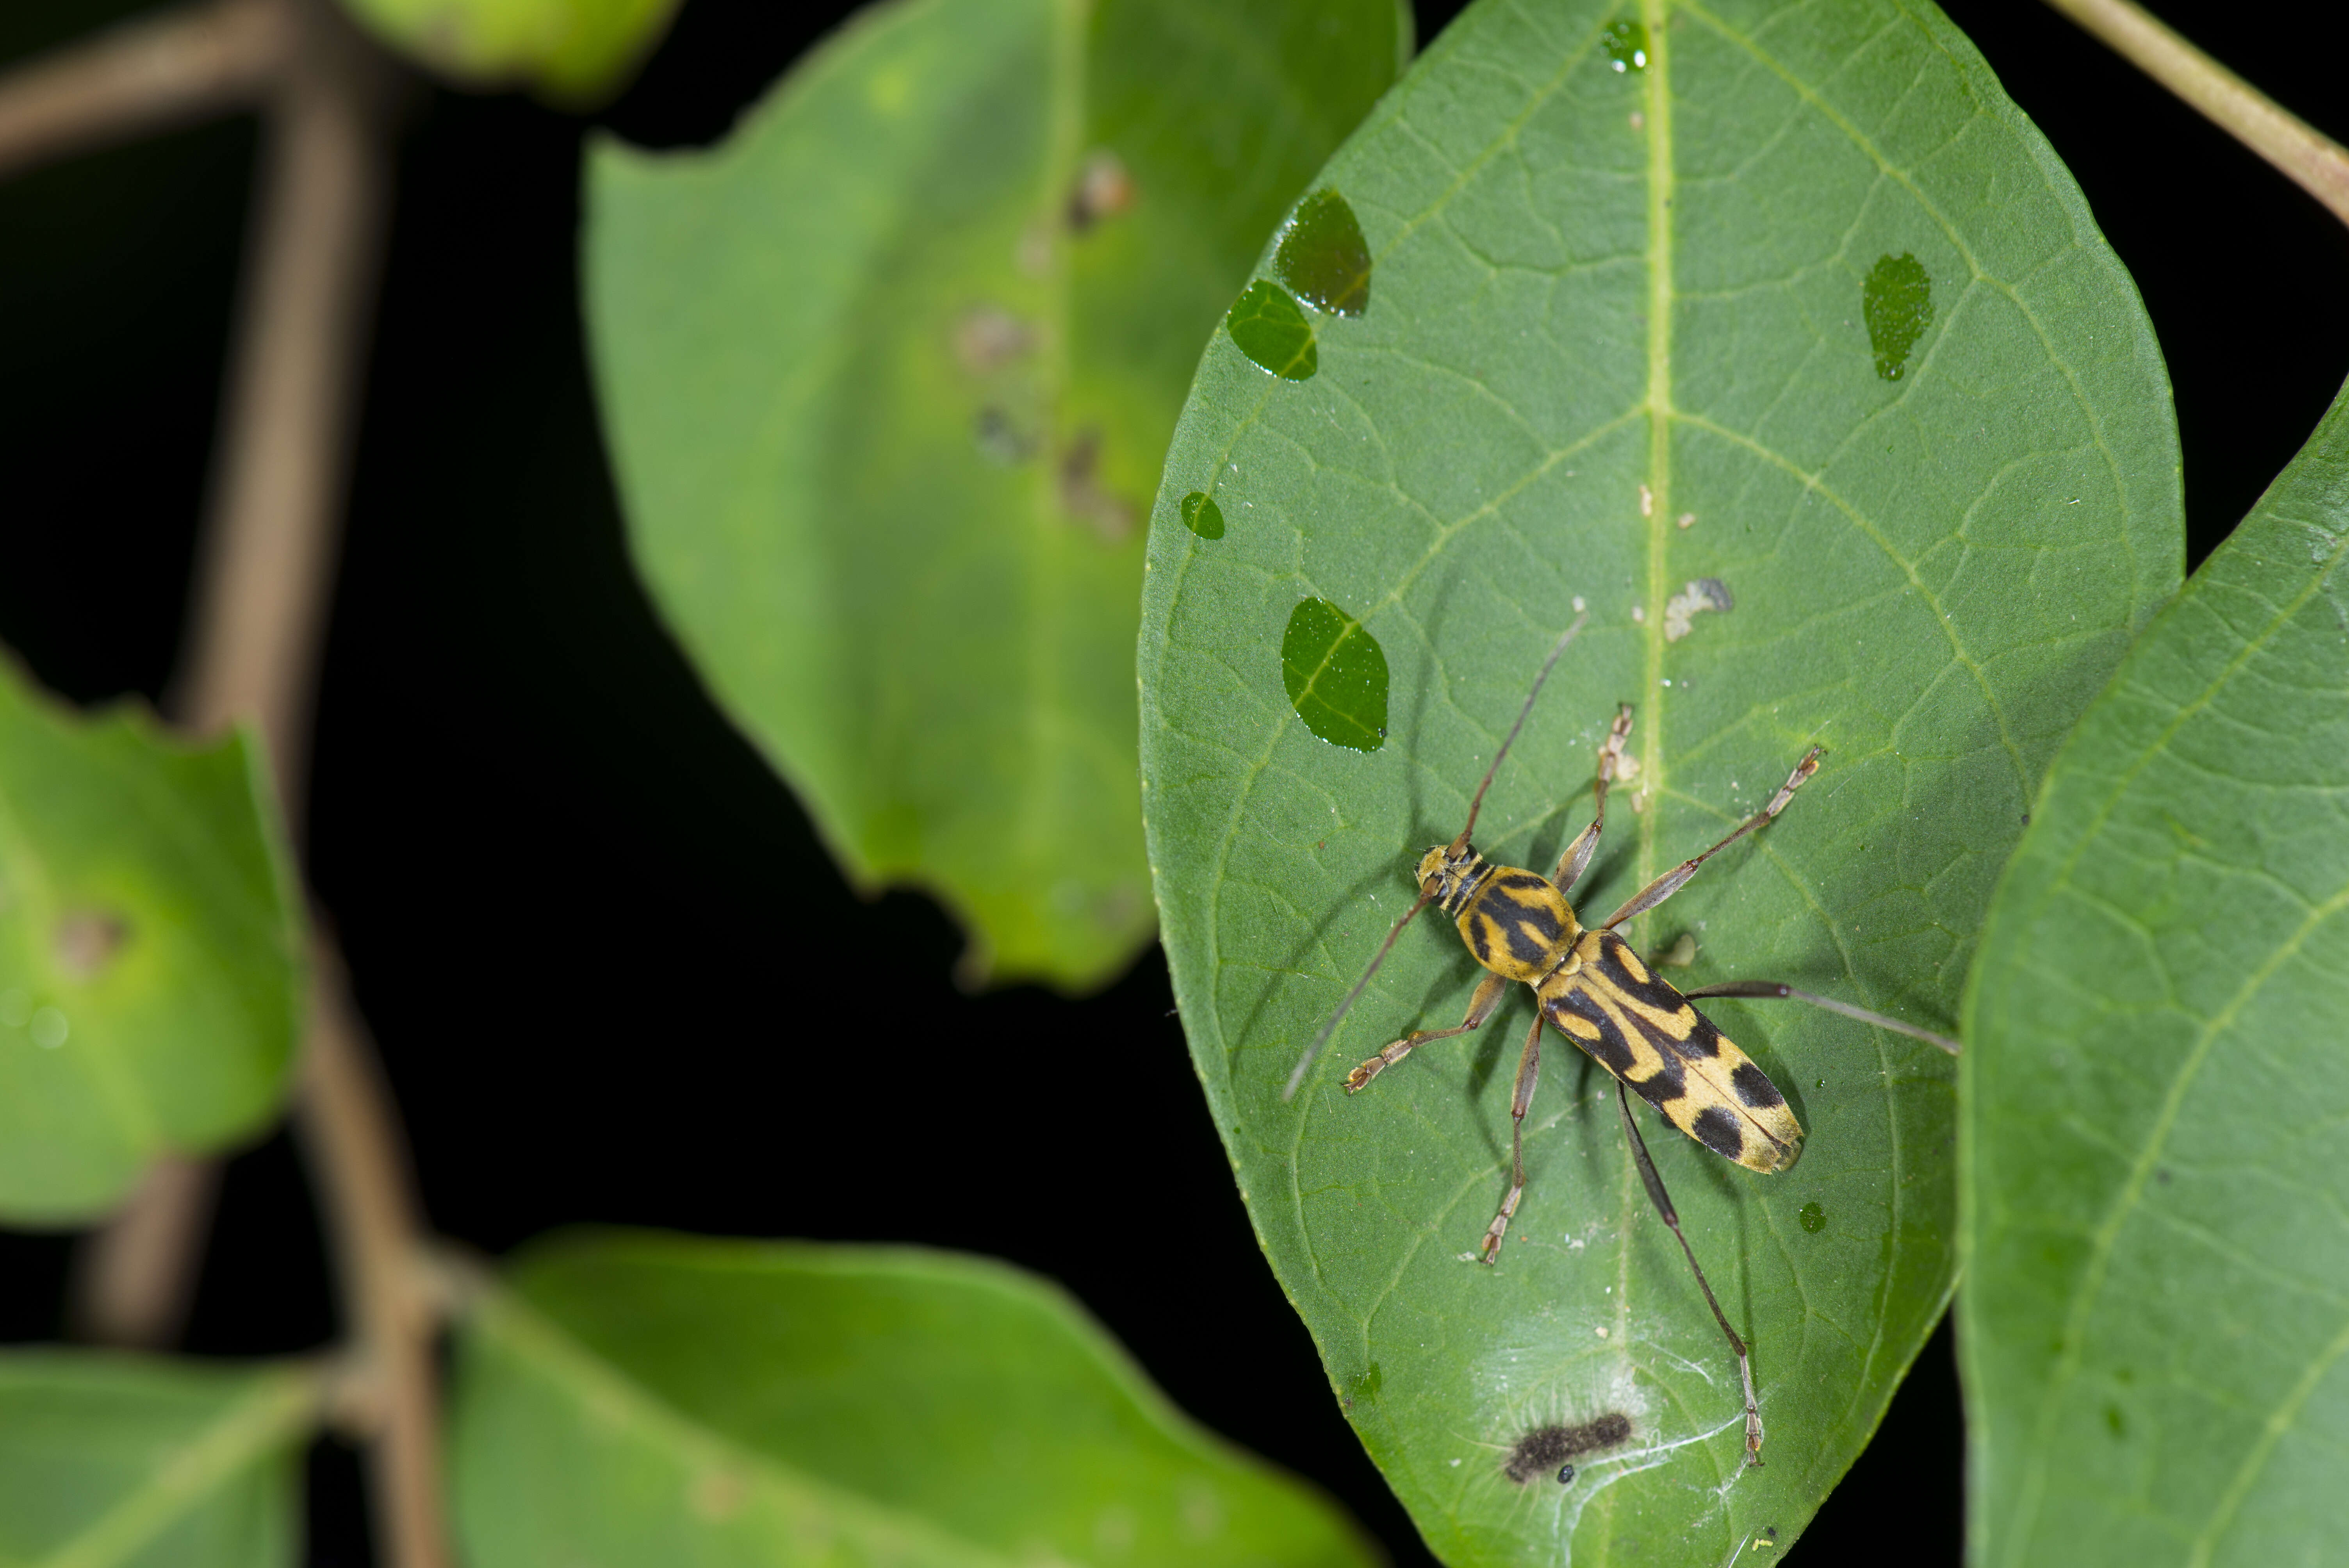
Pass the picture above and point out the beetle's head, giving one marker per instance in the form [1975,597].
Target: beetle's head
[1448,872]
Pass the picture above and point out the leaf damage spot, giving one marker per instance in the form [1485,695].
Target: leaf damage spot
[1550,1449]
[1001,440]
[1323,256]
[1898,303]
[1104,188]
[987,337]
[1336,676]
[1268,325]
[1693,599]
[87,939]
[1084,496]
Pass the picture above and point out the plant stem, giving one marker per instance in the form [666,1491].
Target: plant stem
[265,564]
[2314,162]
[145,76]
[359,1161]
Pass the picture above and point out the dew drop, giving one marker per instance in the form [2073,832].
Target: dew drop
[1323,256]
[1898,302]
[1270,326]
[1202,516]
[1627,46]
[1814,1217]
[1336,676]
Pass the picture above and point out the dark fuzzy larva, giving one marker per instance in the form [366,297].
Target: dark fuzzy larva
[1547,1449]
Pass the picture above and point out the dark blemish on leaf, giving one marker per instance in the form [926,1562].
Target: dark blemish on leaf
[1898,302]
[1694,599]
[1544,1450]
[1103,189]
[2026,819]
[1269,327]
[988,337]
[998,440]
[2161,1176]
[1336,676]
[1627,46]
[87,940]
[2114,1423]
[1812,1218]
[1324,257]
[1082,496]
[1202,516]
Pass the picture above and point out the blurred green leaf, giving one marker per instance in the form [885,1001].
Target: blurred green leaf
[2155,1328]
[150,976]
[111,1460]
[575,53]
[1618,357]
[887,378]
[640,1398]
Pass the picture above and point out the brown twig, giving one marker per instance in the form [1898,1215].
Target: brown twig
[145,76]
[2312,160]
[265,566]
[359,1161]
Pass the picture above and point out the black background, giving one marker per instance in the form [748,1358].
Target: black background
[614,976]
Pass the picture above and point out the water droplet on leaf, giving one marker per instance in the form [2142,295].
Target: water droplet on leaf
[1270,326]
[1336,676]
[1202,516]
[1898,301]
[1324,257]
[1627,46]
[1814,1217]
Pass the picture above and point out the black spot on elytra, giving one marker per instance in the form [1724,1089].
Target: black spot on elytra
[1669,1083]
[1704,1042]
[1753,1085]
[1717,1129]
[1545,1450]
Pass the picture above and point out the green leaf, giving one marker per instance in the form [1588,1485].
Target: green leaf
[1617,359]
[640,1398]
[2155,1328]
[112,1459]
[150,971]
[887,378]
[575,53]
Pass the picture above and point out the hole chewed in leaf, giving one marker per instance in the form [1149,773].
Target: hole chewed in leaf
[1202,516]
[1270,326]
[1324,258]
[1336,676]
[1898,302]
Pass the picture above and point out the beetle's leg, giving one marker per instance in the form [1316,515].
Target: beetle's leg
[1480,1007]
[1528,1068]
[1672,882]
[1663,1202]
[1576,859]
[1787,993]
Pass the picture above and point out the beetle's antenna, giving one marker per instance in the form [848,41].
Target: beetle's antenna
[1329,1028]
[1478,803]
[1313,1051]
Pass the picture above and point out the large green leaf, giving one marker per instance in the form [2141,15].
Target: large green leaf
[1774,336]
[575,52]
[150,973]
[2155,1328]
[107,1461]
[654,1399]
[887,378]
